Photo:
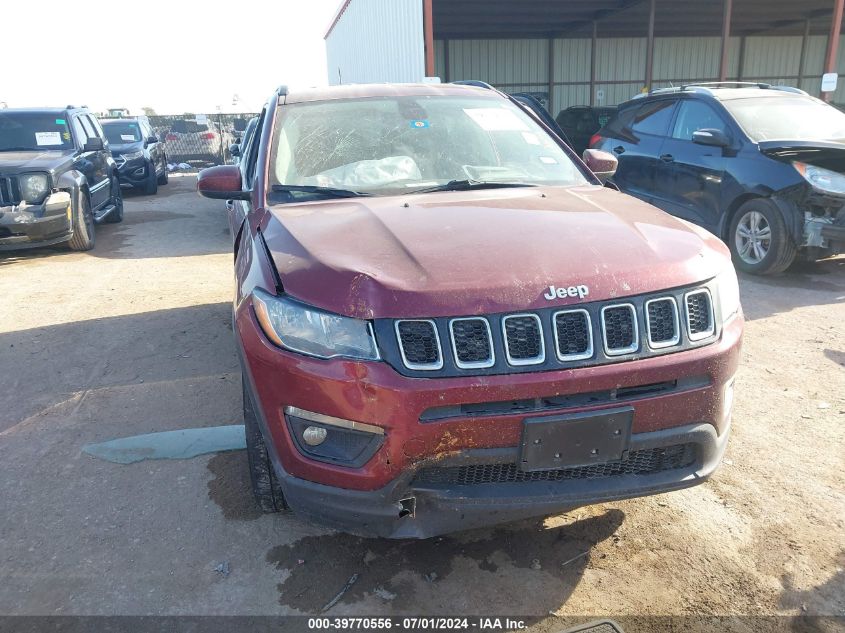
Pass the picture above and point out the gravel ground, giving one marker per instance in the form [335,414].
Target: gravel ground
[135,337]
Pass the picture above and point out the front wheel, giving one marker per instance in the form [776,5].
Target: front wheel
[163,179]
[265,486]
[83,225]
[151,185]
[759,241]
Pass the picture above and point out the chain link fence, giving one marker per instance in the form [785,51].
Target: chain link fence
[193,141]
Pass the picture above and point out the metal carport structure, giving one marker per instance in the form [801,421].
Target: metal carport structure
[555,44]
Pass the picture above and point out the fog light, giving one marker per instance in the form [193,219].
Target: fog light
[334,440]
[314,435]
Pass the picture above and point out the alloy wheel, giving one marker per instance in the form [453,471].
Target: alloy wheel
[753,237]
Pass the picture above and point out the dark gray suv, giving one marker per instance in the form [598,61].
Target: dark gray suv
[57,178]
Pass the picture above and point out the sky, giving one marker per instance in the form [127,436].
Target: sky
[174,56]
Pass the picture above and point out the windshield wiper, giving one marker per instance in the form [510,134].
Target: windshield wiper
[466,185]
[329,192]
[18,149]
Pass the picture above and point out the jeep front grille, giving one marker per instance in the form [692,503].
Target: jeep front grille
[420,344]
[662,322]
[472,343]
[699,310]
[549,339]
[642,462]
[524,343]
[620,330]
[7,196]
[573,334]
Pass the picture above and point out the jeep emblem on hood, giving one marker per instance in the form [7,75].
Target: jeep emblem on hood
[563,293]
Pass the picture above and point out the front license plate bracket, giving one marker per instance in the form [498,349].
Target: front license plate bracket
[575,439]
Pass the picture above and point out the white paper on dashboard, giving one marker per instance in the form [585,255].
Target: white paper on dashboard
[48,138]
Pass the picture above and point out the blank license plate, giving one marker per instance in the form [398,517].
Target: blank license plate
[575,439]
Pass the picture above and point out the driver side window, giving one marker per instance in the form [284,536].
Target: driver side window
[694,116]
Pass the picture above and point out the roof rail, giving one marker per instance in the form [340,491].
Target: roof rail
[474,82]
[728,84]
[282,90]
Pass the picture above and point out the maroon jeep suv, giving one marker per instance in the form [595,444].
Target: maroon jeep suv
[445,321]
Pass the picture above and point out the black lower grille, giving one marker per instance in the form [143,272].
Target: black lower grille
[699,313]
[641,462]
[419,342]
[662,322]
[471,338]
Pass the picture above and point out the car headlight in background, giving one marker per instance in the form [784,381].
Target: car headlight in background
[728,288]
[34,187]
[133,155]
[822,179]
[300,328]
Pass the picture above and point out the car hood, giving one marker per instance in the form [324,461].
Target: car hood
[445,254]
[825,154]
[125,148]
[20,162]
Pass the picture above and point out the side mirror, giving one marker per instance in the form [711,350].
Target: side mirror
[222,182]
[602,164]
[711,137]
[152,139]
[93,145]
[235,149]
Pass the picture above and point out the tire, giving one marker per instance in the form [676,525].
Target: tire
[265,485]
[759,240]
[115,216]
[151,186]
[165,177]
[83,225]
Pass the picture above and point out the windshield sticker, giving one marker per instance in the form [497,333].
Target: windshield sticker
[66,136]
[127,137]
[531,138]
[548,160]
[61,122]
[496,119]
[48,138]
[420,124]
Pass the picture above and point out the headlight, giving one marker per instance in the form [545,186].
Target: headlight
[34,187]
[822,179]
[300,328]
[133,155]
[728,288]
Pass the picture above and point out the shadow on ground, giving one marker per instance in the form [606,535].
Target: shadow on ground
[319,566]
[804,284]
[161,345]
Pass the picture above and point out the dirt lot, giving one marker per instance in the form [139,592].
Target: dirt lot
[135,337]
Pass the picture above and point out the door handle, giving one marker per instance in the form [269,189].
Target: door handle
[667,158]
[619,149]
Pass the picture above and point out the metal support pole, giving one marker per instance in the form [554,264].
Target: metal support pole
[593,63]
[428,31]
[649,54]
[741,58]
[833,43]
[726,35]
[802,62]
[446,72]
[551,74]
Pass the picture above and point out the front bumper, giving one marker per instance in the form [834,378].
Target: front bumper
[368,499]
[442,508]
[32,226]
[133,173]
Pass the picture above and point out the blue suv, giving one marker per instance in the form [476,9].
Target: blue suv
[762,167]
